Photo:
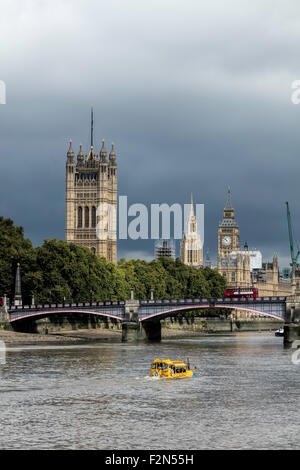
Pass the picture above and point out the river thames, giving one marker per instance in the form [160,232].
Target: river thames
[99,396]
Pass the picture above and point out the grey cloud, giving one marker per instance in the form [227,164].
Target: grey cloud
[196,96]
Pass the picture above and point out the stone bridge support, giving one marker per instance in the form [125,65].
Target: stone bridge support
[133,329]
[293,309]
[292,323]
[130,324]
[136,331]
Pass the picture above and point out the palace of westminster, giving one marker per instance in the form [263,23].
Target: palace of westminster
[91,181]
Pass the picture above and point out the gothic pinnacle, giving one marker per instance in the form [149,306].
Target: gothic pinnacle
[70,151]
[80,150]
[80,156]
[112,155]
[103,152]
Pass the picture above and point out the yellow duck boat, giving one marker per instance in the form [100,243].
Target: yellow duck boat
[165,368]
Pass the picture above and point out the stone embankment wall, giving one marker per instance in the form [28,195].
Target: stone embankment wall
[217,325]
[52,325]
[194,325]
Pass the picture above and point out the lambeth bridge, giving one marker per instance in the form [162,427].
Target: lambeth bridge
[141,318]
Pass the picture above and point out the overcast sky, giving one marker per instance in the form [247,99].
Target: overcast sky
[195,94]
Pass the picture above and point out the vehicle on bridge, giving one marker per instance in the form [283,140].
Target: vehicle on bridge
[1,301]
[241,292]
[165,368]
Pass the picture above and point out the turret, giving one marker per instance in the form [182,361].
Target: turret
[70,166]
[70,154]
[103,153]
[80,157]
[113,156]
[70,174]
[275,270]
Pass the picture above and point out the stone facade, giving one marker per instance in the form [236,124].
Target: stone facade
[269,283]
[91,201]
[234,264]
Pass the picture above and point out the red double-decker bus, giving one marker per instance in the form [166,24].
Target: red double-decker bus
[241,292]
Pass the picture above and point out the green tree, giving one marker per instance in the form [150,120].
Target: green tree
[59,271]
[14,248]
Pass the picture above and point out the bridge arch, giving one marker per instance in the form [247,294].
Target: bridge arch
[44,313]
[166,312]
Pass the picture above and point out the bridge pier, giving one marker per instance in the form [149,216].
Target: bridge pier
[292,324]
[130,324]
[130,331]
[291,333]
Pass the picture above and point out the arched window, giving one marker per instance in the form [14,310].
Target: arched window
[79,217]
[93,216]
[93,250]
[87,217]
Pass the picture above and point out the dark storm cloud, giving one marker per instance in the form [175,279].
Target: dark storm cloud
[196,96]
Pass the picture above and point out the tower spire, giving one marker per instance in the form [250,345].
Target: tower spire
[70,154]
[192,206]
[92,126]
[228,206]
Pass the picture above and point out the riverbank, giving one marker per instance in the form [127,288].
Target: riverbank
[80,336]
[169,330]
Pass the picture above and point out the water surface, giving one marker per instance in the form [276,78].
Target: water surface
[99,396]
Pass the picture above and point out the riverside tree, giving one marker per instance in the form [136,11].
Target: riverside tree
[59,271]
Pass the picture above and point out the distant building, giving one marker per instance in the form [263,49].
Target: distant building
[255,258]
[191,244]
[245,268]
[164,249]
[208,260]
[233,263]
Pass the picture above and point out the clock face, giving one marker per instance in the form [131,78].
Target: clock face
[226,241]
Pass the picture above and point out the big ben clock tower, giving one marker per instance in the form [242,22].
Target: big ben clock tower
[228,241]
[229,233]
